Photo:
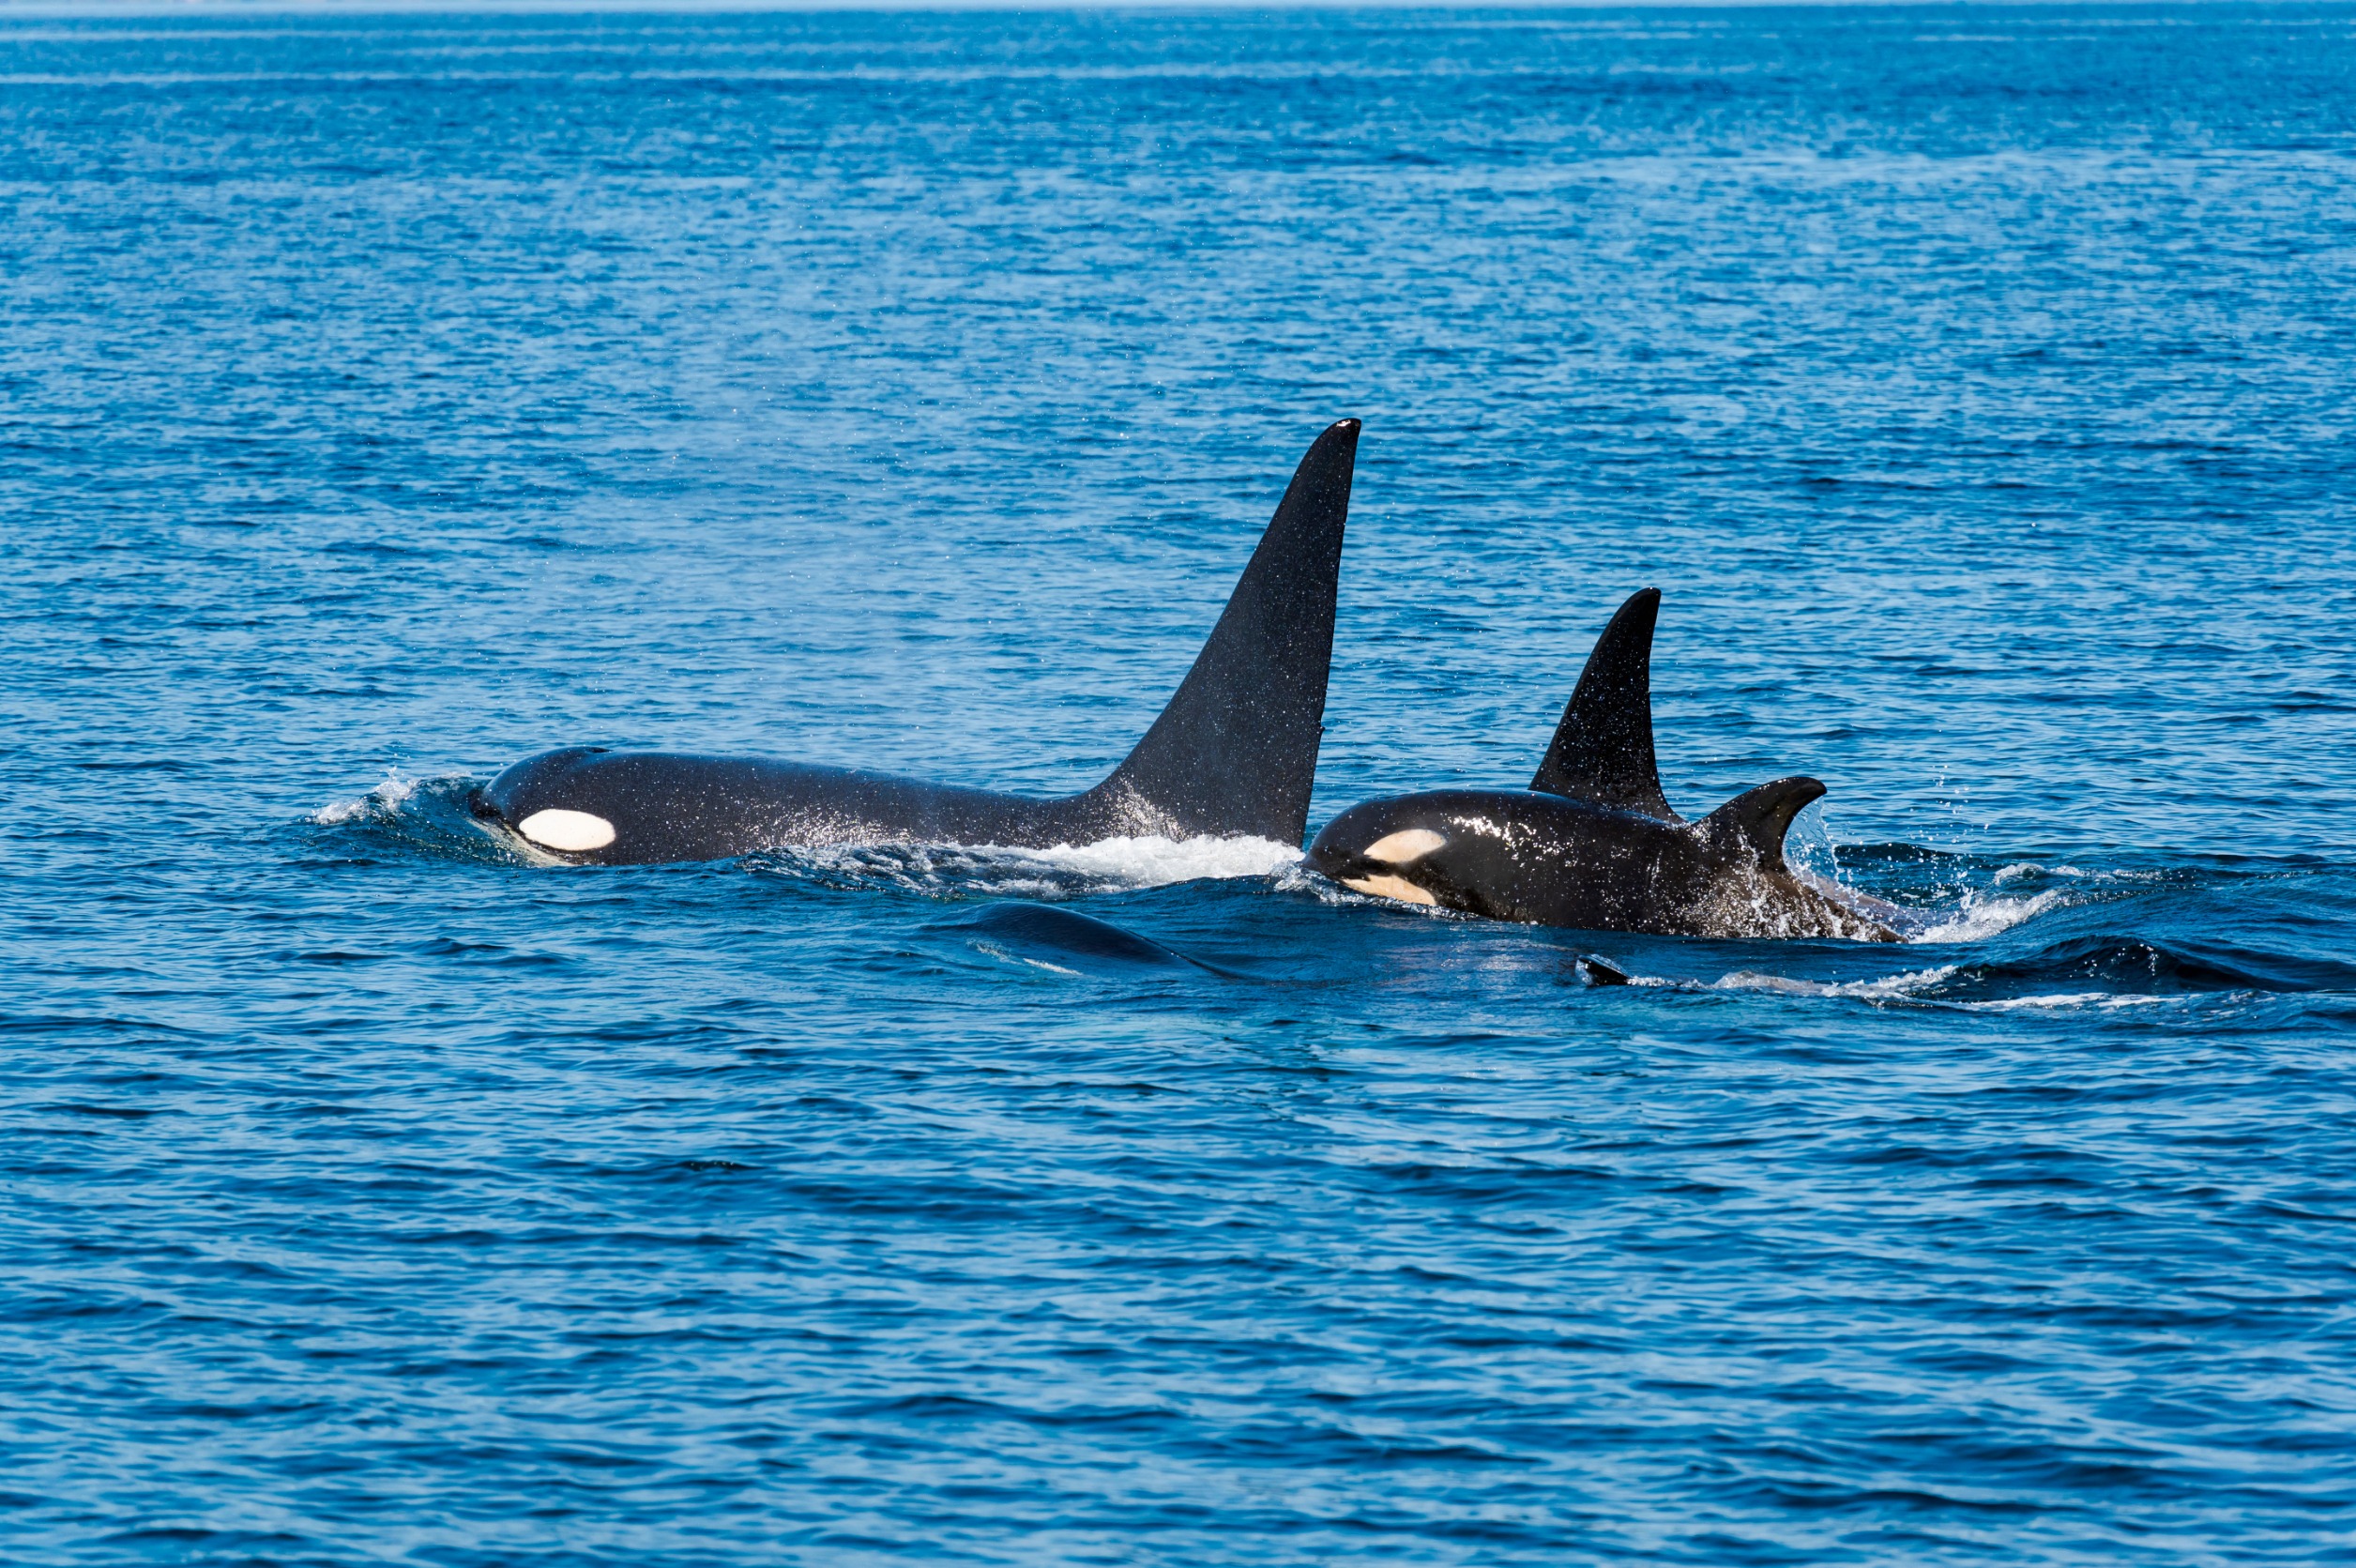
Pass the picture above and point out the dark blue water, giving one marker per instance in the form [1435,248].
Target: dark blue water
[384,398]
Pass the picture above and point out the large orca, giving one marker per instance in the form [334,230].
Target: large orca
[1231,756]
[1592,842]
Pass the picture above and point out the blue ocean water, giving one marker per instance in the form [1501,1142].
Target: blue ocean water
[384,398]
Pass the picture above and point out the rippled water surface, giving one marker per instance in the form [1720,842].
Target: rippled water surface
[384,398]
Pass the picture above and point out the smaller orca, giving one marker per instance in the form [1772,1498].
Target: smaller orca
[1071,938]
[1233,755]
[1592,842]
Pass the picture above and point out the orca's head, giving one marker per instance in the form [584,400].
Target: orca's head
[542,800]
[1394,849]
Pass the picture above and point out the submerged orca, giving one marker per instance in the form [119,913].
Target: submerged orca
[1232,756]
[1592,842]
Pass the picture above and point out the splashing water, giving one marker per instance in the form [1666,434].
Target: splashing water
[379,807]
[1065,870]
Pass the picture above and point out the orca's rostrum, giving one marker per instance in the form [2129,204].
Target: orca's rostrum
[1232,755]
[1594,843]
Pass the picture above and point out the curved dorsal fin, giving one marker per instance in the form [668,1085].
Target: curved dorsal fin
[1236,751]
[1602,748]
[1757,819]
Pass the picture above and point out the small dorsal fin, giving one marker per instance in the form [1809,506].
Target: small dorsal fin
[1757,819]
[1602,748]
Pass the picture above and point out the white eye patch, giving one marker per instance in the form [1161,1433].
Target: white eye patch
[1410,845]
[1391,887]
[574,831]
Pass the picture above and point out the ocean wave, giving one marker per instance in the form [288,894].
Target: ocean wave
[2098,971]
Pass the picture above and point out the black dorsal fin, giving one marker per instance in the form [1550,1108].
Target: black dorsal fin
[1757,819]
[1236,751]
[1602,748]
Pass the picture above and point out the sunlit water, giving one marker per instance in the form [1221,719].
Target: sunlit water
[383,399]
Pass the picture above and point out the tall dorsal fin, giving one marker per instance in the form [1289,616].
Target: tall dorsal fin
[1602,748]
[1757,819]
[1236,751]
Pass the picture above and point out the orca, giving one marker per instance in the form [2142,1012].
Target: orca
[1594,843]
[1232,755]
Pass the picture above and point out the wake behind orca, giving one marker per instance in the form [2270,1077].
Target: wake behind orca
[1594,843]
[1232,755]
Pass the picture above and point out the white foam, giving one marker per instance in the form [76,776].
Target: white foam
[1106,865]
[1981,916]
[1153,863]
[1909,986]
[2019,869]
[2074,999]
[383,801]
[1886,987]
